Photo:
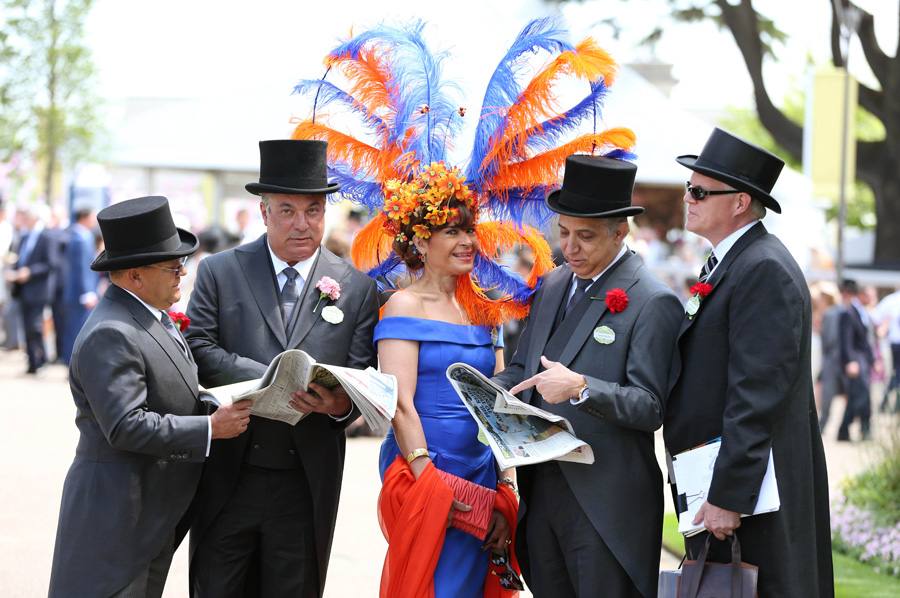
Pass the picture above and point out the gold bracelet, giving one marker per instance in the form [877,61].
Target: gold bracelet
[415,454]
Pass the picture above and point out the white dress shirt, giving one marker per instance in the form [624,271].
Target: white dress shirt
[728,242]
[157,313]
[304,269]
[622,251]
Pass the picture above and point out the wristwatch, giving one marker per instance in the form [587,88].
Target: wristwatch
[583,394]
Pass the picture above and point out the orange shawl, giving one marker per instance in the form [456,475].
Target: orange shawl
[413,517]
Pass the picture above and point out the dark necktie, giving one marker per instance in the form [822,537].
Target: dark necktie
[289,295]
[581,285]
[708,267]
[167,323]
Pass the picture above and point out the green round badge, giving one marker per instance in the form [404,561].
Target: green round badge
[604,335]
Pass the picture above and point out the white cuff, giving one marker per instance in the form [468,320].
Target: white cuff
[208,434]
[578,401]
[343,417]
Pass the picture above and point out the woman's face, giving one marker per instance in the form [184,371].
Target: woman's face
[450,250]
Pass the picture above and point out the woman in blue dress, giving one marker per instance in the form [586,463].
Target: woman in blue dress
[423,330]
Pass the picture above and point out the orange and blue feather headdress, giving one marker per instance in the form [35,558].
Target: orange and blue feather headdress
[520,146]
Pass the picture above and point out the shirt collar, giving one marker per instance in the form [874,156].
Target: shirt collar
[728,242]
[608,266]
[303,268]
[157,313]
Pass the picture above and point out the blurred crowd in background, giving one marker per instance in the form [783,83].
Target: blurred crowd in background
[49,290]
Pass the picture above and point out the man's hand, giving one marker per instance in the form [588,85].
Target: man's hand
[719,522]
[852,369]
[334,402]
[231,420]
[556,383]
[23,274]
[498,533]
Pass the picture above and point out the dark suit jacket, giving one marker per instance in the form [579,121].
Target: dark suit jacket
[621,492]
[742,372]
[236,330]
[80,252]
[854,343]
[140,451]
[43,262]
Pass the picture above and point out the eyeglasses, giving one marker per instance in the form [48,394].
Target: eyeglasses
[698,192]
[500,567]
[181,265]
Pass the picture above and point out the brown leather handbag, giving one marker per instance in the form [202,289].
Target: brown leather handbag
[700,579]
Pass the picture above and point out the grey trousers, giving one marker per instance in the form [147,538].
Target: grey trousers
[566,554]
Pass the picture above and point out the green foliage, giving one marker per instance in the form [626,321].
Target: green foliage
[48,109]
[861,203]
[672,539]
[878,489]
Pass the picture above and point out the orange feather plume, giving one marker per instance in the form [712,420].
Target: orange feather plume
[369,77]
[482,311]
[372,244]
[545,167]
[537,102]
[496,237]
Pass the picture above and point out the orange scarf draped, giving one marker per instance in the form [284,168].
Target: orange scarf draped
[413,518]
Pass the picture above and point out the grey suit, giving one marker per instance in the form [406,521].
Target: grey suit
[236,330]
[620,494]
[140,451]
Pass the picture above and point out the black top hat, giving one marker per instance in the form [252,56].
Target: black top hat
[595,187]
[292,166]
[742,165]
[139,232]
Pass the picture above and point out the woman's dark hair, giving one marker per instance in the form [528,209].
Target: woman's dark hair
[407,250]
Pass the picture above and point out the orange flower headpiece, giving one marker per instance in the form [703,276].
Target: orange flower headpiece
[522,139]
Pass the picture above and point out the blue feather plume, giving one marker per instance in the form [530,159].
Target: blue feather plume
[364,192]
[521,207]
[416,76]
[503,90]
[547,136]
[329,92]
[492,276]
[620,154]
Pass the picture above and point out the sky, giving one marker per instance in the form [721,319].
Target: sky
[204,48]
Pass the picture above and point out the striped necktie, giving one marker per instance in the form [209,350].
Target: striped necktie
[289,296]
[708,267]
[167,323]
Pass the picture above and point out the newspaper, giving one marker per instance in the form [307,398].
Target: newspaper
[518,433]
[374,393]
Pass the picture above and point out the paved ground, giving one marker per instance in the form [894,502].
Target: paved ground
[37,440]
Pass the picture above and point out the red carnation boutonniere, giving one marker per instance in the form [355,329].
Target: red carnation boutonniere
[698,293]
[180,320]
[616,300]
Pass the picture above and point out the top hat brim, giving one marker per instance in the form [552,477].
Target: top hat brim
[553,203]
[105,263]
[260,188]
[767,200]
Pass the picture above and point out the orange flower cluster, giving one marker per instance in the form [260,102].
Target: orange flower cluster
[426,198]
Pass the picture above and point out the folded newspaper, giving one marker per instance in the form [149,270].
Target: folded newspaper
[518,433]
[374,393]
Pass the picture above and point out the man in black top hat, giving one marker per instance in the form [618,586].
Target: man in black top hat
[596,349]
[742,373]
[268,499]
[143,437]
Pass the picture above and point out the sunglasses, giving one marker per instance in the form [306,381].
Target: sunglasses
[698,192]
[509,579]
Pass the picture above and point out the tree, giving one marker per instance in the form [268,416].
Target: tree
[48,109]
[877,162]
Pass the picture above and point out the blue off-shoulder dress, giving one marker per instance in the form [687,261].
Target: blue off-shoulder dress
[450,431]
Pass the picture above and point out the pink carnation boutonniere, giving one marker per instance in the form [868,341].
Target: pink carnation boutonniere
[698,293]
[329,289]
[180,320]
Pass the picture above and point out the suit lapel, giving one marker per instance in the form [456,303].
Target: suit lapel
[327,264]
[555,287]
[257,268]
[153,326]
[755,232]
[624,277]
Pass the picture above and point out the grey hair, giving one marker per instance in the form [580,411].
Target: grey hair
[757,208]
[613,223]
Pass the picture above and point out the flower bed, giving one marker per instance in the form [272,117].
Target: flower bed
[857,532]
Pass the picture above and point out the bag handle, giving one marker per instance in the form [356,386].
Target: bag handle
[737,586]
